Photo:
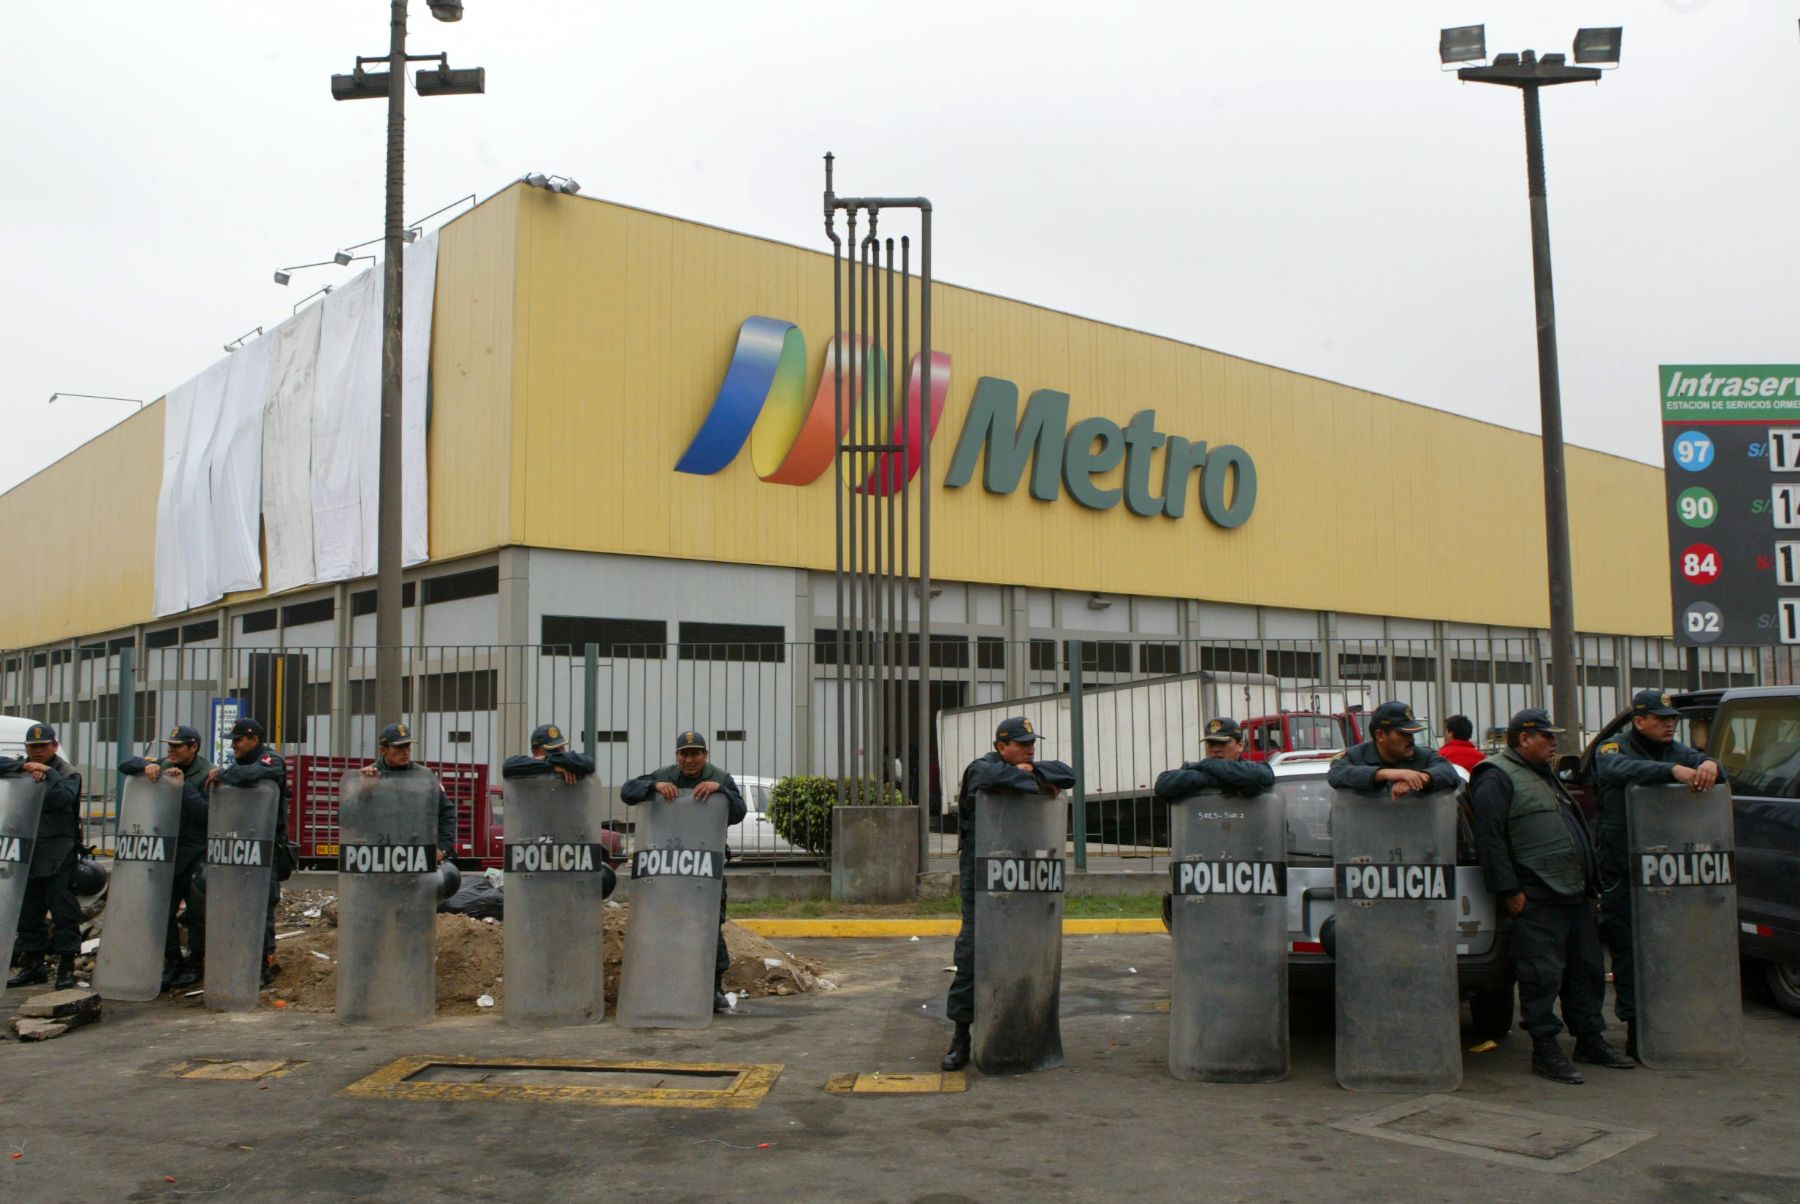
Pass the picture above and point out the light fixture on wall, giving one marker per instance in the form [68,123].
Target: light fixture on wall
[239,341]
[538,179]
[1097,601]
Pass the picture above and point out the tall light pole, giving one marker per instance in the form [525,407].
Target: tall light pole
[1528,73]
[370,85]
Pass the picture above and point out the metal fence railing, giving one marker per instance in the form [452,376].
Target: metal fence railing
[768,710]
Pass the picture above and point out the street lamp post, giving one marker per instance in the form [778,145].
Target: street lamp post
[1529,74]
[370,85]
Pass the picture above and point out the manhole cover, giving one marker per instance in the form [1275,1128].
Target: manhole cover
[572,1080]
[1535,1140]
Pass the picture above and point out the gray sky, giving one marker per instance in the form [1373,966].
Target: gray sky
[1295,182]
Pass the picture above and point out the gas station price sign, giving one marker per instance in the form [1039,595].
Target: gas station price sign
[1731,456]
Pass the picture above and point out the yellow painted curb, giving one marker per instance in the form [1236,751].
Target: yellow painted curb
[772,927]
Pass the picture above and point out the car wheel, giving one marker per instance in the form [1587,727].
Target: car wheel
[1491,1010]
[1784,984]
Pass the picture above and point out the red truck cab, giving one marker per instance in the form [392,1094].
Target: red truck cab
[1298,731]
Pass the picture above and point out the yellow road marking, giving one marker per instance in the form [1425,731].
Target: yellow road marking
[896,1084]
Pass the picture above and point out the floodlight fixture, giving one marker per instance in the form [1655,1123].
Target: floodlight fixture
[283,275]
[537,179]
[96,397]
[1462,44]
[445,80]
[239,341]
[315,293]
[562,184]
[1599,45]
[360,85]
[447,10]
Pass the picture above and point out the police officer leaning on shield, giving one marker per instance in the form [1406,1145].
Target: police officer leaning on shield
[1390,758]
[1646,755]
[1538,857]
[1012,765]
[693,771]
[184,764]
[551,756]
[50,882]
[1223,769]
[395,743]
[253,761]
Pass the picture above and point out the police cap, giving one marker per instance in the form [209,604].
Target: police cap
[548,735]
[1222,729]
[1017,729]
[689,739]
[1532,719]
[1653,702]
[247,727]
[1394,717]
[395,735]
[181,733]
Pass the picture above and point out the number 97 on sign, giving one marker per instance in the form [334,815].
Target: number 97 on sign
[1700,563]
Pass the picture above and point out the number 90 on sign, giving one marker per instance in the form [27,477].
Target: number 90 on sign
[1697,507]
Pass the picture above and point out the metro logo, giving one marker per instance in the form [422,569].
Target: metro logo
[763,400]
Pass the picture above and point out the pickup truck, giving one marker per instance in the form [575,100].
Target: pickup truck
[1755,734]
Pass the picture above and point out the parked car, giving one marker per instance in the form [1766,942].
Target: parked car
[1268,736]
[1755,734]
[756,836]
[1483,969]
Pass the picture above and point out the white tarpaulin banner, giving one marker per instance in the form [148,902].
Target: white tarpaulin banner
[287,451]
[237,468]
[186,565]
[288,429]
[415,370]
[346,427]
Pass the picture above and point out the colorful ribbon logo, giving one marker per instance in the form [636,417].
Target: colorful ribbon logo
[763,400]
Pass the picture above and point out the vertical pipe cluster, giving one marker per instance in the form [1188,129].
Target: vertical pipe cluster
[883,708]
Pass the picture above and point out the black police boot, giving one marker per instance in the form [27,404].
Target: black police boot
[957,1056]
[1168,913]
[65,972]
[1547,1060]
[269,970]
[1631,1040]
[1596,1050]
[31,971]
[721,1001]
[187,975]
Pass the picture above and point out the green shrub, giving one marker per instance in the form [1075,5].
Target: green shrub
[800,807]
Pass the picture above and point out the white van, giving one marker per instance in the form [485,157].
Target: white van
[12,735]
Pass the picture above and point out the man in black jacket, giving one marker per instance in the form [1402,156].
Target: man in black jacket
[395,743]
[50,882]
[253,761]
[1538,858]
[1011,766]
[184,764]
[1646,755]
[551,754]
[1391,758]
[694,771]
[1223,769]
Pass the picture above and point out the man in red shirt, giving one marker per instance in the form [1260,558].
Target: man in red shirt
[1457,747]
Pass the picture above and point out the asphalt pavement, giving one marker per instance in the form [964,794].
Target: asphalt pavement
[100,1113]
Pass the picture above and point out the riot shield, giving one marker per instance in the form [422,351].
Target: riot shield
[1683,868]
[1228,1007]
[677,874]
[387,898]
[1019,842]
[130,960]
[1397,1021]
[21,798]
[555,938]
[240,859]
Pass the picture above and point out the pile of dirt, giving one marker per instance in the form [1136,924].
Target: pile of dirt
[471,959]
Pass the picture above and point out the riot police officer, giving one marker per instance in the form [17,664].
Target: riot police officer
[1223,769]
[185,764]
[1538,858]
[1646,755]
[395,743]
[551,754]
[1012,765]
[1391,758]
[50,882]
[253,761]
[694,771]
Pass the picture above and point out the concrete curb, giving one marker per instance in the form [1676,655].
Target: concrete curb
[770,927]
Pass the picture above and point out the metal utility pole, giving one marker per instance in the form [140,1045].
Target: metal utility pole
[370,85]
[1529,74]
